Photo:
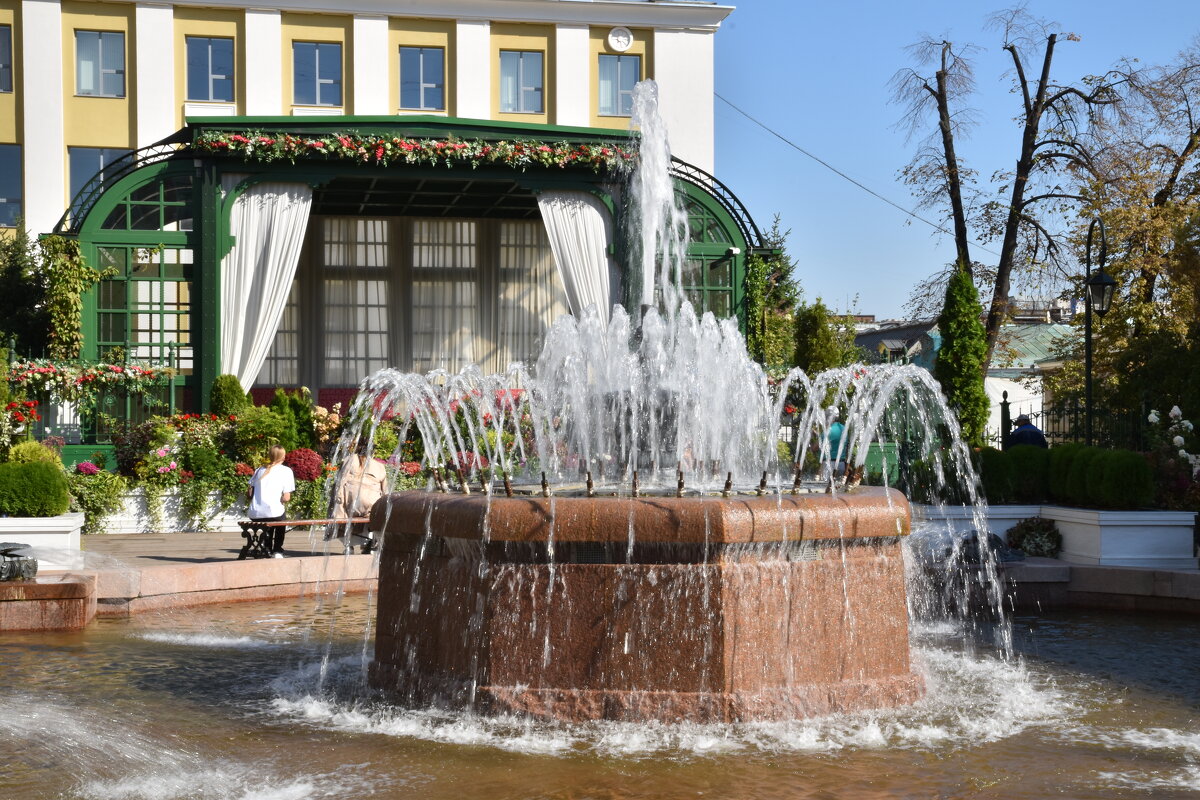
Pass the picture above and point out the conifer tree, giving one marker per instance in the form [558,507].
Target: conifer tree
[962,357]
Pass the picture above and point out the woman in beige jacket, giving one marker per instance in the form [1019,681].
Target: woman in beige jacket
[362,480]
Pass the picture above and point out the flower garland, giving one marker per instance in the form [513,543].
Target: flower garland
[386,150]
[80,383]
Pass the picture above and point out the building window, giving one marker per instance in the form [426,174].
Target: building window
[209,69]
[6,58]
[316,74]
[87,165]
[423,78]
[144,307]
[618,74]
[99,64]
[520,82]
[10,185]
[354,298]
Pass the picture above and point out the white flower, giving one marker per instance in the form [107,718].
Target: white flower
[1177,441]
[1183,453]
[1153,418]
[1175,413]
[1187,425]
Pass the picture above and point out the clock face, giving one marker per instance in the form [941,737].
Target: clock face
[620,39]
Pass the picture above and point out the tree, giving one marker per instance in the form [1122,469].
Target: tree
[822,340]
[22,294]
[1053,120]
[771,295]
[962,357]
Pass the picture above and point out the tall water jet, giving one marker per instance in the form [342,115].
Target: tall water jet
[653,558]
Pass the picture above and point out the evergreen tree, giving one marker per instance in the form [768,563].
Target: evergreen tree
[822,340]
[962,357]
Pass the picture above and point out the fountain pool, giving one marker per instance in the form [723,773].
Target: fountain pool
[261,701]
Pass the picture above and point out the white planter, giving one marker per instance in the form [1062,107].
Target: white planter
[1161,539]
[135,517]
[55,540]
[960,519]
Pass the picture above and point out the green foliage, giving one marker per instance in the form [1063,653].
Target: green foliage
[257,429]
[227,396]
[1036,537]
[823,341]
[34,489]
[33,452]
[21,290]
[302,408]
[97,496]
[67,276]
[387,439]
[996,474]
[1076,488]
[281,405]
[1060,457]
[309,501]
[132,442]
[1030,467]
[962,357]
[1125,481]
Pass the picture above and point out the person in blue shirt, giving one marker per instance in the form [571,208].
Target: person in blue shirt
[1026,432]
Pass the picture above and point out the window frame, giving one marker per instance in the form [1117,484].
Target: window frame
[210,76]
[422,84]
[318,81]
[621,95]
[6,67]
[522,88]
[100,71]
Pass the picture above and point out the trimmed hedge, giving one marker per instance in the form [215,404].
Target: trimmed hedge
[1060,458]
[1030,469]
[996,475]
[227,396]
[1076,489]
[33,489]
[1125,481]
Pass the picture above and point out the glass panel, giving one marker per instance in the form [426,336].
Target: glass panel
[329,73]
[282,365]
[356,329]
[10,184]
[112,295]
[112,327]
[175,216]
[87,62]
[693,272]
[304,73]
[531,296]
[112,64]
[510,76]
[444,315]
[197,68]
[433,76]
[631,73]
[531,83]
[145,217]
[115,257]
[446,244]
[146,193]
[222,70]
[6,58]
[608,85]
[177,263]
[719,272]
[177,189]
[719,303]
[410,77]
[116,220]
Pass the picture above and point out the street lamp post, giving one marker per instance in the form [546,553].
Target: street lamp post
[1099,287]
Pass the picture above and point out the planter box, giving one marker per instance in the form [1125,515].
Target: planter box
[1161,539]
[960,519]
[55,539]
[134,517]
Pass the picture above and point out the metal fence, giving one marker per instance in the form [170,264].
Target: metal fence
[1067,422]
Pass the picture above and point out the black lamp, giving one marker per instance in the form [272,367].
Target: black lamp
[1100,288]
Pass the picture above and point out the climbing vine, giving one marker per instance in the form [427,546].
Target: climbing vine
[67,277]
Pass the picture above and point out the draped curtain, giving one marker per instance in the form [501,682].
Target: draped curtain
[580,228]
[268,222]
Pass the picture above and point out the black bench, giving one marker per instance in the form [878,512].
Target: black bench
[260,536]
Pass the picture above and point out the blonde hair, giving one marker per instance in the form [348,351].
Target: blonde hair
[277,455]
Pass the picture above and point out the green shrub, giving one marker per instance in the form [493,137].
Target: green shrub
[302,408]
[1125,481]
[33,489]
[1036,537]
[1030,468]
[1095,494]
[133,442]
[33,452]
[227,396]
[281,405]
[1076,488]
[97,496]
[996,475]
[256,430]
[1060,458]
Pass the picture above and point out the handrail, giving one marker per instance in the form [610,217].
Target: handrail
[684,171]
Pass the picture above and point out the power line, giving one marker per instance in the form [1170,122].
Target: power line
[838,172]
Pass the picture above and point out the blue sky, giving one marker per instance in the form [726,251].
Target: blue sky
[818,74]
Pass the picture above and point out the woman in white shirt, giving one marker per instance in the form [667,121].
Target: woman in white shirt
[270,488]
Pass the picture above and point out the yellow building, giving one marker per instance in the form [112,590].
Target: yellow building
[301,196]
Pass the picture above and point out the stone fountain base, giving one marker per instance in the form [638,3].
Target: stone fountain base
[722,610]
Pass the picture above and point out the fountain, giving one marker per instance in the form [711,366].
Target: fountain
[652,557]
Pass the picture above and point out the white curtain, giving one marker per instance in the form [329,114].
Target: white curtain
[580,229]
[268,224]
